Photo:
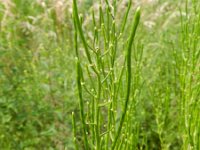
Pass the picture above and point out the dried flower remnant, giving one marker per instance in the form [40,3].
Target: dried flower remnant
[8,4]
[60,7]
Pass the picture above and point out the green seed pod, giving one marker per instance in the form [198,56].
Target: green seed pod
[128,52]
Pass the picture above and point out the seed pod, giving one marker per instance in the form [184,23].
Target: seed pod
[128,63]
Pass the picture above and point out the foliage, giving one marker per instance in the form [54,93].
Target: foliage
[39,41]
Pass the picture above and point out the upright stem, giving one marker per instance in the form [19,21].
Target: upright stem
[81,104]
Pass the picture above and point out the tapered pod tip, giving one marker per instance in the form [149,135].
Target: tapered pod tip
[138,9]
[137,13]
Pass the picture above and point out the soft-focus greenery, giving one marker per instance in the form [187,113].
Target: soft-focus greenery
[38,87]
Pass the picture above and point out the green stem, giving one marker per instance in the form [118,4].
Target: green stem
[81,103]
[74,131]
[79,27]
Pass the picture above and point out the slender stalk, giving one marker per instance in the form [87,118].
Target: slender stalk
[74,131]
[125,17]
[79,27]
[81,103]
[78,23]
[96,102]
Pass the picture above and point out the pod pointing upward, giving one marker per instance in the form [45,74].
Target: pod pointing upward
[128,52]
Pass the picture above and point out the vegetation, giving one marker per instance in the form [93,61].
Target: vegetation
[102,75]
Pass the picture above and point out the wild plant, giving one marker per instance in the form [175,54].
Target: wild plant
[105,89]
[188,59]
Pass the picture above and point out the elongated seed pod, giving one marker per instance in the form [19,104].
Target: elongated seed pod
[81,104]
[128,57]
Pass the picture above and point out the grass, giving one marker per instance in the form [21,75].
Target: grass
[77,75]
